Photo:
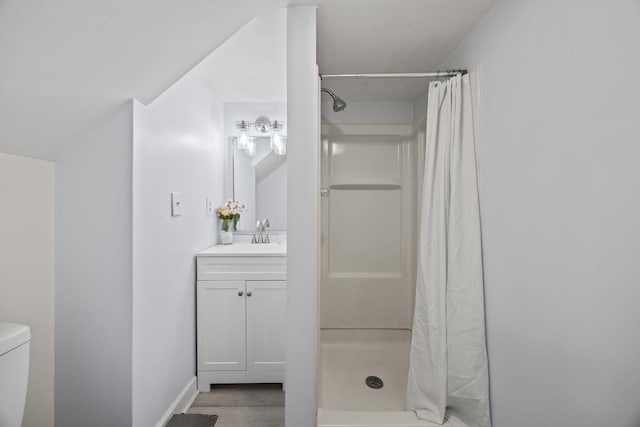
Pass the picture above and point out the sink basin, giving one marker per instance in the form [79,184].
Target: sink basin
[246,249]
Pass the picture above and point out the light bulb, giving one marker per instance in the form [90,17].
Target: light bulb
[281,150]
[276,140]
[243,140]
[251,147]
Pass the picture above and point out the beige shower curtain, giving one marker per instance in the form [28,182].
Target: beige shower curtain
[448,374]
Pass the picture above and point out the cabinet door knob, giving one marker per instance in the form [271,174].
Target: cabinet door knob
[249,293]
[240,293]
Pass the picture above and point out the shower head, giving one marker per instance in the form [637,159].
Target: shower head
[338,103]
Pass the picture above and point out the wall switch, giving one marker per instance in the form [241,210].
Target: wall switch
[209,208]
[176,204]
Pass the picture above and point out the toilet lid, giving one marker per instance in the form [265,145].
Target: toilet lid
[13,335]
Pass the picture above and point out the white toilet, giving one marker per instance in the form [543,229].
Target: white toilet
[14,372]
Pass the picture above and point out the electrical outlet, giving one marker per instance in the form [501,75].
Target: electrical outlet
[209,208]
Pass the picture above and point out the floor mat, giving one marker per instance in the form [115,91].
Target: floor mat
[192,420]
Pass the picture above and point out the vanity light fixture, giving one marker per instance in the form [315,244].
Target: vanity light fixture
[261,125]
[243,139]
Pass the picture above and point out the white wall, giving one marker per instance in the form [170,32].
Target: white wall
[251,66]
[559,176]
[178,147]
[93,228]
[303,151]
[26,271]
[368,112]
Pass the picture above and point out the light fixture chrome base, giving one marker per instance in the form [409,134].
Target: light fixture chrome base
[263,124]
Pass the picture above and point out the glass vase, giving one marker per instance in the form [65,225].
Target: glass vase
[226,231]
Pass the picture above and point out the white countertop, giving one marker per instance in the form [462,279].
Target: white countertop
[246,249]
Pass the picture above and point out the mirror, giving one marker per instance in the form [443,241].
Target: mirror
[260,183]
[256,177]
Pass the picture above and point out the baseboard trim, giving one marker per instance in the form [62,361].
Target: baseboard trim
[182,402]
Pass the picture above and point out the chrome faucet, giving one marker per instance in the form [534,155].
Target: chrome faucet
[260,235]
[257,236]
[265,225]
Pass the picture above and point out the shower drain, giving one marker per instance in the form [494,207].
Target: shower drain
[374,382]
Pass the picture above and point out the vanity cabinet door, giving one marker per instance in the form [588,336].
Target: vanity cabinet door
[221,326]
[266,314]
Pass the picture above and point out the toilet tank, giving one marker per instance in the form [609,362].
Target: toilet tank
[14,372]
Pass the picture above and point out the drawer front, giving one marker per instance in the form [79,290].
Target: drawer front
[241,268]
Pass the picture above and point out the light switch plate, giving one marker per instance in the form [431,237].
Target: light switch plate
[209,207]
[176,204]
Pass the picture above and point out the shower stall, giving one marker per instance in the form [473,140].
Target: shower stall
[372,165]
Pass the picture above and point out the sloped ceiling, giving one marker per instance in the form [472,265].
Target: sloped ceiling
[66,64]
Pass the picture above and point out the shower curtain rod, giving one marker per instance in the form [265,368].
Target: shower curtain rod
[446,73]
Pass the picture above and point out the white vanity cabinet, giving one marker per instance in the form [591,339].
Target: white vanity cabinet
[241,306]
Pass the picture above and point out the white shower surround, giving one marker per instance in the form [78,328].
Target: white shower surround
[348,352]
[348,356]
